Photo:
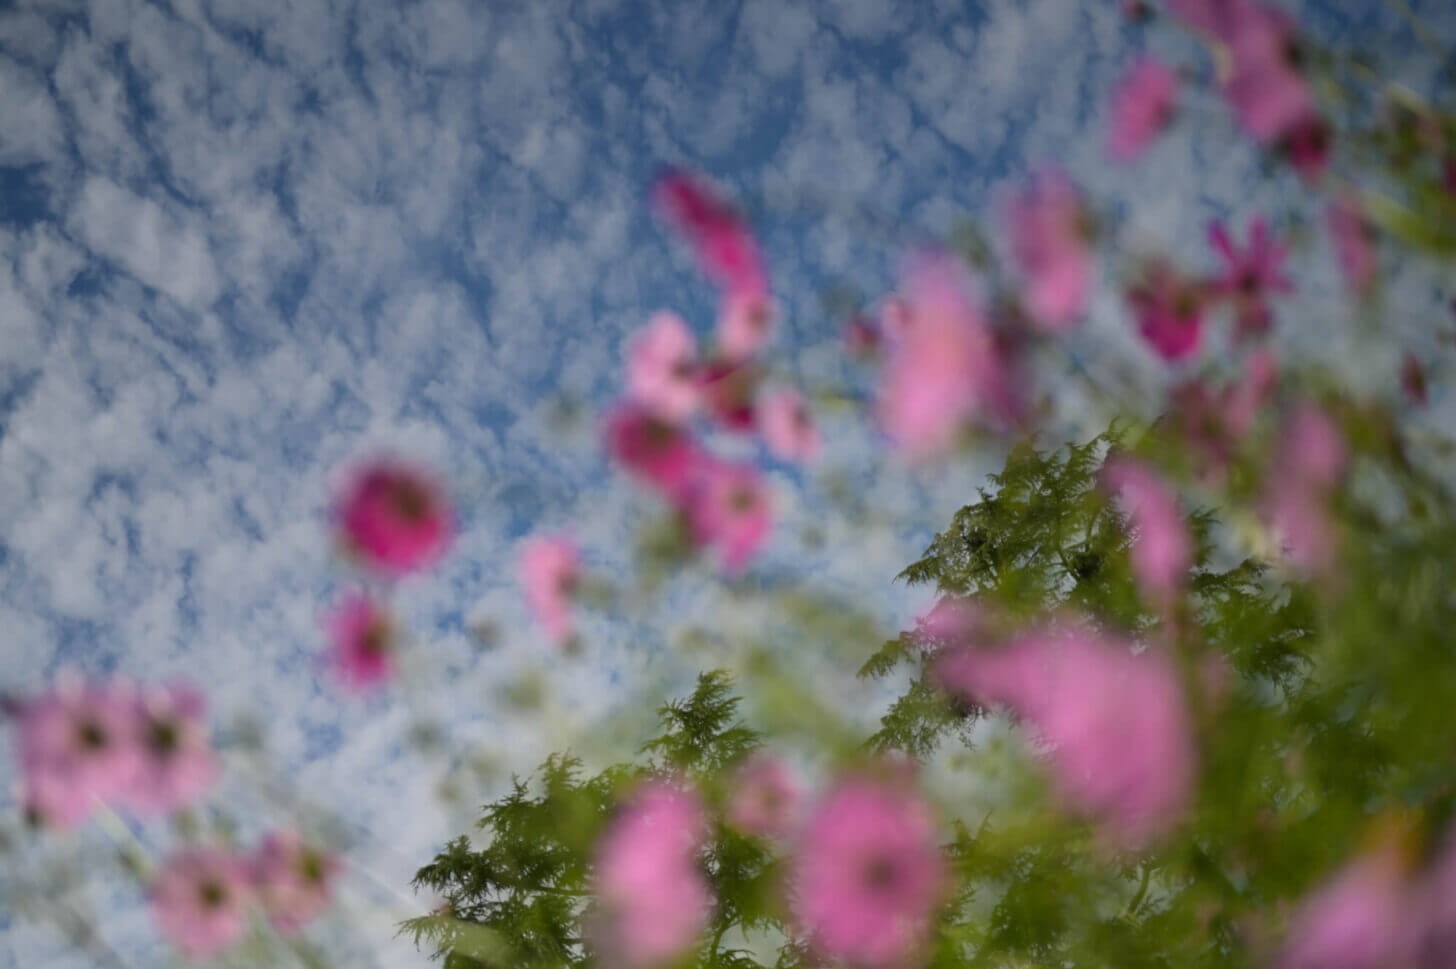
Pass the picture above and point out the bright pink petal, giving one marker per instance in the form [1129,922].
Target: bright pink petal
[394,517]
[662,368]
[550,567]
[1142,107]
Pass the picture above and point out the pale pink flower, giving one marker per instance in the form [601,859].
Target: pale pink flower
[1142,107]
[1170,312]
[731,511]
[293,881]
[868,873]
[363,643]
[745,323]
[1162,550]
[1048,226]
[550,568]
[1266,87]
[76,746]
[177,762]
[1365,918]
[765,797]
[394,517]
[200,899]
[725,246]
[662,454]
[653,899]
[1354,241]
[728,388]
[662,368]
[1120,736]
[788,429]
[1313,448]
[1312,457]
[1250,276]
[943,365]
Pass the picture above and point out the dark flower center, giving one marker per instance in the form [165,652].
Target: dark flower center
[742,499]
[92,735]
[311,867]
[879,873]
[411,501]
[375,640]
[212,893]
[163,737]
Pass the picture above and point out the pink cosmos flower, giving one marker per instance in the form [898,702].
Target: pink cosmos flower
[1142,107]
[943,365]
[1266,87]
[1162,551]
[1312,457]
[868,873]
[76,745]
[200,899]
[745,323]
[662,368]
[661,454]
[728,388]
[730,511]
[1170,312]
[765,798]
[788,429]
[1354,241]
[363,641]
[550,567]
[1250,276]
[653,899]
[1121,740]
[1365,918]
[293,881]
[176,763]
[1215,423]
[394,517]
[1047,223]
[726,248]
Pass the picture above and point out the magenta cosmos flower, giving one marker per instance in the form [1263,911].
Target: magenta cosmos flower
[200,899]
[176,763]
[394,517]
[550,567]
[660,453]
[1169,312]
[765,797]
[1162,551]
[662,368]
[1354,241]
[1049,229]
[725,246]
[942,365]
[363,643]
[1121,744]
[292,880]
[868,873]
[745,323]
[1266,85]
[1142,107]
[1251,276]
[653,901]
[788,430]
[77,744]
[730,511]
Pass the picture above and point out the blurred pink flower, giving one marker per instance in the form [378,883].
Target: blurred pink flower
[1266,87]
[293,881]
[943,365]
[788,429]
[550,567]
[662,368]
[394,517]
[1313,448]
[1354,242]
[1121,740]
[765,797]
[745,323]
[77,744]
[731,511]
[176,763]
[1307,145]
[1142,107]
[728,388]
[654,901]
[363,643]
[1048,226]
[868,873]
[660,453]
[726,248]
[1170,312]
[1364,918]
[1162,551]
[200,899]
[1214,424]
[1249,277]
[1311,458]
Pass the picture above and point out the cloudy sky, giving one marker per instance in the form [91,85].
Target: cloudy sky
[243,242]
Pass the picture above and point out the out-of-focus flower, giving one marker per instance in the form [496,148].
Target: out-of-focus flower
[745,323]
[861,337]
[868,873]
[550,567]
[943,365]
[1266,86]
[176,762]
[726,248]
[1307,146]
[1214,424]
[200,899]
[1365,918]
[394,517]
[653,901]
[728,388]
[1161,548]
[362,638]
[731,511]
[1169,312]
[1312,457]
[1142,107]
[662,368]
[788,430]
[1249,277]
[1048,226]
[660,453]
[77,744]
[293,881]
[764,798]
[1120,737]
[1354,241]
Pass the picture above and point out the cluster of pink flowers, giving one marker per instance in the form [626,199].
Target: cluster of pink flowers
[202,897]
[81,744]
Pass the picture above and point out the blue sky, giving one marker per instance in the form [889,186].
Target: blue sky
[242,242]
